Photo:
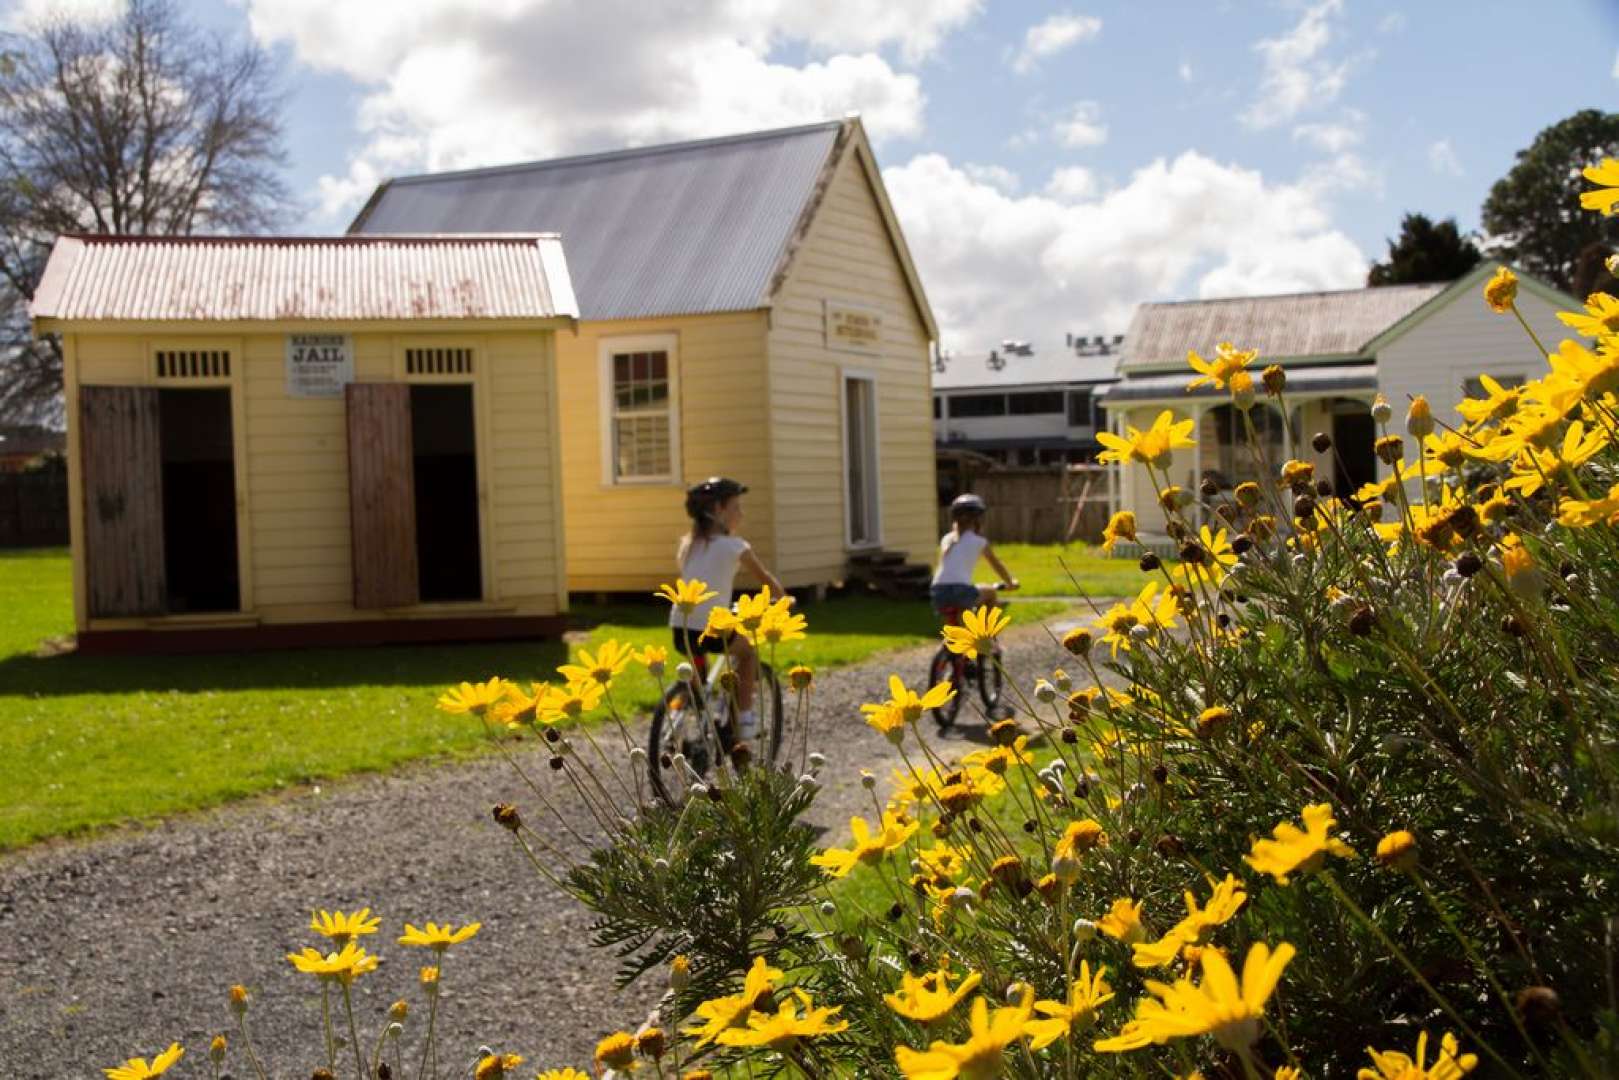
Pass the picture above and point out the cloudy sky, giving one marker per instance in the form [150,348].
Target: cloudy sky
[1052,165]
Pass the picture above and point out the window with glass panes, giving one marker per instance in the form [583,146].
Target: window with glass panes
[642,442]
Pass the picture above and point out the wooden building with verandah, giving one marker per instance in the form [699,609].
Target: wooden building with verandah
[325,440]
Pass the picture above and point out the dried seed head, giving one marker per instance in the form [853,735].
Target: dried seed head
[1241,544]
[1362,620]
[1321,442]
[1149,562]
[1538,1005]
[1208,488]
[1078,641]
[1274,378]
[505,815]
[1389,449]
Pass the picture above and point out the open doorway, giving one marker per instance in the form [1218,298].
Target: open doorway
[860,461]
[199,501]
[1353,435]
[445,459]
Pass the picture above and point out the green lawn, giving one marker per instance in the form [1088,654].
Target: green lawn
[90,741]
[1044,569]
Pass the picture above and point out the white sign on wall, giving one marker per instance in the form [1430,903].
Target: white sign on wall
[319,365]
[857,329]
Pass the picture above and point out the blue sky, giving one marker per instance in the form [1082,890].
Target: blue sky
[1052,164]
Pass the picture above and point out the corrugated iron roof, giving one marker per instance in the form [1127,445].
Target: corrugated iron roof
[1292,326]
[313,278]
[678,229]
[1306,379]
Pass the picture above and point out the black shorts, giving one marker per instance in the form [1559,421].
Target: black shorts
[713,645]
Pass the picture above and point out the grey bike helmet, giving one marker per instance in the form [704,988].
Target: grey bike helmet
[968,504]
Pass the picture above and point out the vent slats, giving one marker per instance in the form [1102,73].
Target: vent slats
[193,363]
[438,361]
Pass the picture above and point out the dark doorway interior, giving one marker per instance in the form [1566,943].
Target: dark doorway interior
[444,447]
[199,501]
[1353,435]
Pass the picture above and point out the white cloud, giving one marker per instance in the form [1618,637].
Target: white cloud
[1392,23]
[460,83]
[1616,65]
[1333,137]
[1185,72]
[1071,183]
[28,14]
[1442,158]
[1297,76]
[1081,126]
[1051,36]
[996,176]
[1035,266]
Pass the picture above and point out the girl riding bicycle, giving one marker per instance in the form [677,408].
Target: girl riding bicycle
[959,552]
[711,553]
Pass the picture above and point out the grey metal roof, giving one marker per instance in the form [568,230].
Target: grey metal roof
[1054,364]
[678,229]
[319,278]
[1291,326]
[1307,379]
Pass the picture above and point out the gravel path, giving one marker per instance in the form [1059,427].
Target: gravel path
[118,945]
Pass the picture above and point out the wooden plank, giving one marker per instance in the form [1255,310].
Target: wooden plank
[120,440]
[382,495]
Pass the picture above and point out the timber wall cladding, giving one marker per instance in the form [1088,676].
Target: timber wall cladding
[382,495]
[120,439]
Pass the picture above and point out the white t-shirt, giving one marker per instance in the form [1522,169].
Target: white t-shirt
[713,561]
[958,554]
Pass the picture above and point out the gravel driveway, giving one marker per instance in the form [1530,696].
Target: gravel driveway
[118,945]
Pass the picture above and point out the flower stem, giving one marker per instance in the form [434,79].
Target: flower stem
[354,1031]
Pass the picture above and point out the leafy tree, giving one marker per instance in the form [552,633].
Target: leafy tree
[137,125]
[1425,251]
[1533,213]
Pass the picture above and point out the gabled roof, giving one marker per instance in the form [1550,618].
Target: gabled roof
[1293,326]
[678,229]
[317,278]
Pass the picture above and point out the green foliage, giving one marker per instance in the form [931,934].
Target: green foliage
[1533,212]
[1425,251]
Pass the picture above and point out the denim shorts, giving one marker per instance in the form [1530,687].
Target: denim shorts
[954,595]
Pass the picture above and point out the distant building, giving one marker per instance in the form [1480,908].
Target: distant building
[1025,404]
[1339,349]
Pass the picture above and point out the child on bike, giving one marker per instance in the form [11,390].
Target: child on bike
[711,552]
[959,552]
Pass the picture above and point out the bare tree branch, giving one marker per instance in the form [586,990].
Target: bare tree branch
[136,126]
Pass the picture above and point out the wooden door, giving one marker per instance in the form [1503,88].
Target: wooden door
[120,438]
[382,495]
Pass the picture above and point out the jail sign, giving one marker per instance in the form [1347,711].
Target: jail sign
[319,365]
[858,329]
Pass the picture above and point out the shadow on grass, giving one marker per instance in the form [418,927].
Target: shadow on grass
[414,665]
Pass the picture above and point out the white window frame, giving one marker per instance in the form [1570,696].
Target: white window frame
[665,343]
[868,376]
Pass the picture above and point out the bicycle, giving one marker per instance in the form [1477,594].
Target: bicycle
[683,725]
[963,674]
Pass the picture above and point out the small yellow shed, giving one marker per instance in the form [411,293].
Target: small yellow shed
[284,441]
[748,307]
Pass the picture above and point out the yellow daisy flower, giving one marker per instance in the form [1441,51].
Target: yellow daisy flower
[1604,198]
[1451,1064]
[977,632]
[601,668]
[929,997]
[1087,995]
[981,1056]
[782,1029]
[138,1069]
[1230,1010]
[1150,447]
[869,848]
[1228,361]
[343,928]
[473,699]
[686,595]
[436,937]
[725,1012]
[1295,849]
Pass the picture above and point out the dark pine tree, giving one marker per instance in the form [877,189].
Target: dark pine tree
[1425,251]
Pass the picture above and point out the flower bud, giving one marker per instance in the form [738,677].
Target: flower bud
[867,780]
[1084,931]
[506,816]
[216,1050]
[1044,692]
[1382,412]
[1242,391]
[828,909]
[684,672]
[398,1010]
[1061,679]
[1501,291]
[1612,263]
[679,973]
[1397,850]
[1390,449]
[238,999]
[816,759]
[1419,421]
[799,677]
[1078,641]
[1274,378]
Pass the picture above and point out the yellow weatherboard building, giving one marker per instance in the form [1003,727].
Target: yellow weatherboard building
[748,307]
[311,440]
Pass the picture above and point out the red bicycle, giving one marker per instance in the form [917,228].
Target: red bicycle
[964,674]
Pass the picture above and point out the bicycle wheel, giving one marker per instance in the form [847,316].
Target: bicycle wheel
[989,683]
[678,727]
[945,669]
